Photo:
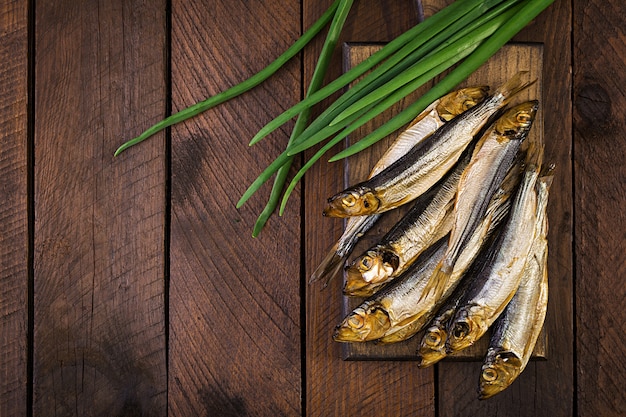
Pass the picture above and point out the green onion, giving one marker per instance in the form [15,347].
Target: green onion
[316,82]
[521,16]
[385,72]
[449,51]
[435,23]
[405,83]
[368,116]
[240,88]
[467,32]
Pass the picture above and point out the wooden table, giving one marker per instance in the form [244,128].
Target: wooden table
[131,286]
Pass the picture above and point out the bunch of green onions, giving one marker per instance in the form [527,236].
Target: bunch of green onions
[464,35]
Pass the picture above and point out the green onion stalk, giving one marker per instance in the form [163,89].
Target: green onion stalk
[317,80]
[240,88]
[466,34]
[527,12]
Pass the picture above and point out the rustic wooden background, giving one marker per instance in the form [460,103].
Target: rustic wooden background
[131,286]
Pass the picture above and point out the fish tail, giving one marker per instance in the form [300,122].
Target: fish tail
[514,85]
[329,267]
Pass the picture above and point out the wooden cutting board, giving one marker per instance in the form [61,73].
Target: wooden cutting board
[511,59]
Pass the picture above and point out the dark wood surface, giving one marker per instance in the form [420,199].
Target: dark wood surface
[99,313]
[600,225]
[14,208]
[132,286]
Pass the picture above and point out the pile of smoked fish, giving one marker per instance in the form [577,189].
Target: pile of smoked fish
[471,253]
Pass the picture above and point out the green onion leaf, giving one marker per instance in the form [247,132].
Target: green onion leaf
[317,80]
[240,88]
[435,23]
[516,19]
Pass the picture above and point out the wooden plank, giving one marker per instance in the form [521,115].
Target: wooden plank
[506,63]
[234,301]
[334,386]
[13,207]
[600,223]
[99,323]
[545,388]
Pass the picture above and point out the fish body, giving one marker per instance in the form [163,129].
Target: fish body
[494,286]
[516,331]
[430,303]
[423,165]
[432,347]
[495,153]
[429,220]
[391,306]
[432,118]
[492,160]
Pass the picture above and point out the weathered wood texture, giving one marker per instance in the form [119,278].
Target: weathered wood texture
[247,336]
[99,322]
[503,65]
[234,301]
[13,207]
[334,386]
[600,155]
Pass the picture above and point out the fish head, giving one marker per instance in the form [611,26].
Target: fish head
[466,328]
[372,268]
[456,102]
[364,323]
[498,372]
[517,120]
[356,201]
[433,346]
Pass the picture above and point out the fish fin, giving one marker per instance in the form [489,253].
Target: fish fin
[547,173]
[514,85]
[329,267]
[437,283]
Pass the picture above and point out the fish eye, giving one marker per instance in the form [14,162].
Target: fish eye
[461,330]
[366,262]
[490,374]
[356,321]
[523,117]
[468,104]
[348,201]
[432,339]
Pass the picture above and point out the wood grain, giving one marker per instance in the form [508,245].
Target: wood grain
[336,387]
[600,225]
[99,335]
[502,66]
[544,388]
[234,301]
[13,207]
[247,336]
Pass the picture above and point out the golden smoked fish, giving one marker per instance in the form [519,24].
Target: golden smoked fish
[494,155]
[391,306]
[398,311]
[516,331]
[424,165]
[432,347]
[495,284]
[429,220]
[432,118]
[425,307]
